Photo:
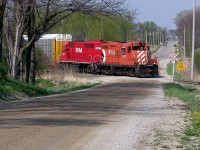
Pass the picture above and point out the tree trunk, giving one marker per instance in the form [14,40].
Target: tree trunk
[28,52]
[9,40]
[2,8]
[31,50]
[33,66]
[28,63]
[16,52]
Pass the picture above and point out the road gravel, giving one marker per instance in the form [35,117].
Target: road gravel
[122,113]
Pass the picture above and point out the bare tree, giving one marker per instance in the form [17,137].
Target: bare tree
[15,24]
[184,20]
[48,14]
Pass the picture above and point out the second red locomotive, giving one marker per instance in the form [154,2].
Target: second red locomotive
[132,58]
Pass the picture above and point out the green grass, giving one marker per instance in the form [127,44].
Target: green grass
[185,94]
[11,87]
[191,97]
[11,90]
[177,74]
[44,83]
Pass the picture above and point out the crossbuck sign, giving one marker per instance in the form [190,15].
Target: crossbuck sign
[173,59]
[174,56]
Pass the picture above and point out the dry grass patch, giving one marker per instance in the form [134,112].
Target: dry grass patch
[68,74]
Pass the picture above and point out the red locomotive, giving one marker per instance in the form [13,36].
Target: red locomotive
[132,58]
[81,52]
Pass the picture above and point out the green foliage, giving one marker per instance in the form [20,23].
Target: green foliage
[149,26]
[30,90]
[3,72]
[42,61]
[183,93]
[184,20]
[194,128]
[85,27]
[197,59]
[42,67]
[12,89]
[71,86]
[177,74]
[44,83]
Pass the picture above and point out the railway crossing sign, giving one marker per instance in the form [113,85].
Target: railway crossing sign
[180,65]
[174,56]
[173,59]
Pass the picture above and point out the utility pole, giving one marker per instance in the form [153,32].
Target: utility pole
[150,41]
[153,41]
[193,39]
[146,37]
[160,37]
[184,46]
[157,38]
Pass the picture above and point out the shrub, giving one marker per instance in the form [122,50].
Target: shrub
[42,60]
[3,72]
[197,60]
[44,82]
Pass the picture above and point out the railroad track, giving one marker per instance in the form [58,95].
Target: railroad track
[195,84]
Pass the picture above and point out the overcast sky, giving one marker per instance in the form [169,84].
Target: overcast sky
[162,12]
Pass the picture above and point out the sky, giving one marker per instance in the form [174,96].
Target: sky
[162,12]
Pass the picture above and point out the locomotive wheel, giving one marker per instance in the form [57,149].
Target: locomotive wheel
[107,71]
[142,72]
[94,68]
[88,69]
[155,73]
[130,73]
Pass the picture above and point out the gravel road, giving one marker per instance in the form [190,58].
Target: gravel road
[122,113]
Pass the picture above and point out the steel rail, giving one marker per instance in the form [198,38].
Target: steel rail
[188,82]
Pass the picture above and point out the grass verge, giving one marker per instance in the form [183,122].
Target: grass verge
[191,97]
[11,90]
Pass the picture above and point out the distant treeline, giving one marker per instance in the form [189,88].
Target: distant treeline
[184,19]
[85,27]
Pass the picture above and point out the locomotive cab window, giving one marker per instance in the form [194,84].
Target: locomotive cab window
[135,48]
[123,51]
[141,48]
[129,49]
